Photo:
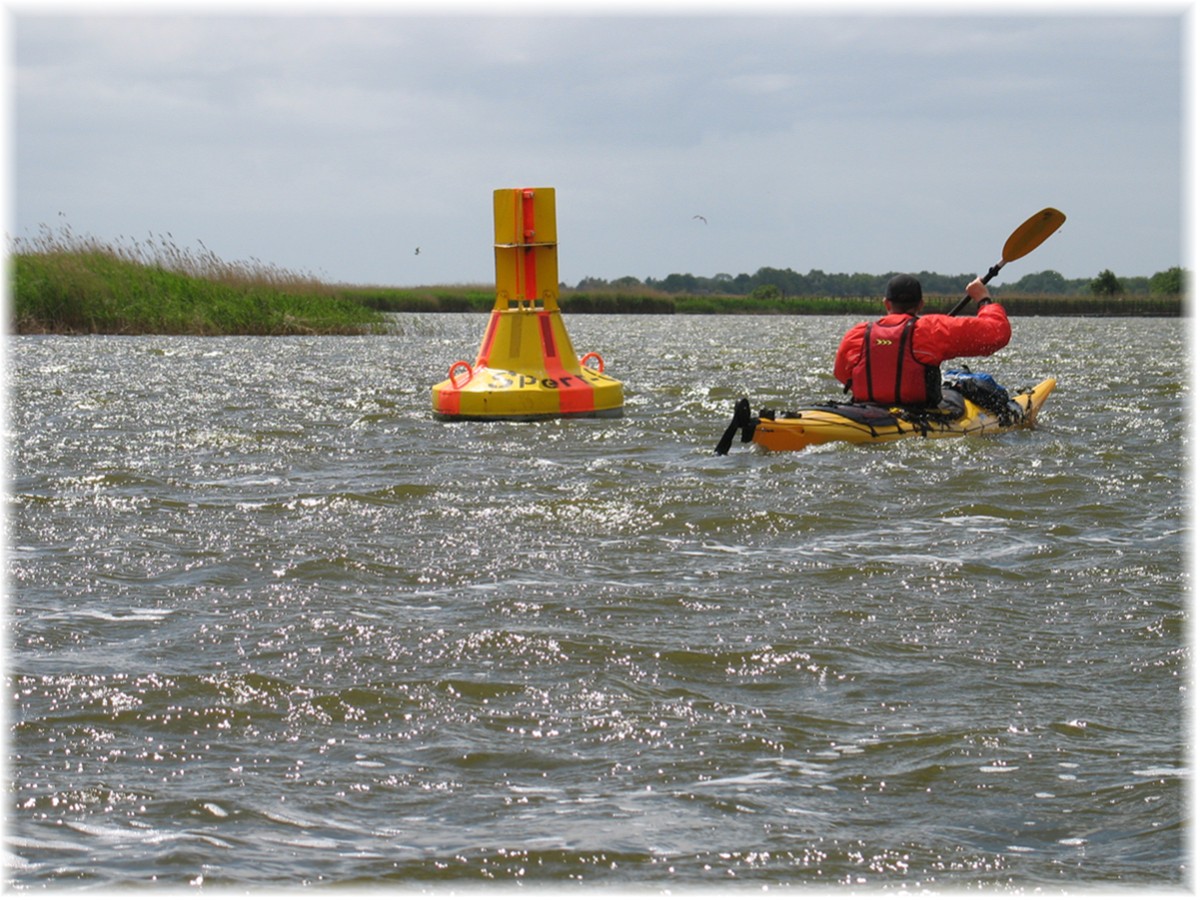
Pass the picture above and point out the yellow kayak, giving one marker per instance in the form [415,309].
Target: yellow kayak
[863,423]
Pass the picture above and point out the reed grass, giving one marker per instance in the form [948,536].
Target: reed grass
[482,299]
[1014,305]
[450,298]
[64,282]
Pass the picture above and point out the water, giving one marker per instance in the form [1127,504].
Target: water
[272,625]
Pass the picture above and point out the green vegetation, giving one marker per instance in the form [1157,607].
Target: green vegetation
[467,298]
[1171,282]
[65,283]
[575,302]
[784,292]
[1015,304]
[767,282]
[1106,284]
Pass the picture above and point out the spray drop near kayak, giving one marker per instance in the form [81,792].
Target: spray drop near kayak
[978,405]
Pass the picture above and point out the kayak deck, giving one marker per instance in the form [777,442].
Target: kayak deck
[859,423]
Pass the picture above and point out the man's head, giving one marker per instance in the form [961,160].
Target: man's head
[903,294]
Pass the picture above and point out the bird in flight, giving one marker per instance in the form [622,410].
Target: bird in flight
[701,218]
[417,252]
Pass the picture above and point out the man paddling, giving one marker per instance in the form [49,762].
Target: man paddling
[896,361]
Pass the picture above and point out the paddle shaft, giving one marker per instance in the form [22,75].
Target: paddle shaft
[991,273]
[1027,238]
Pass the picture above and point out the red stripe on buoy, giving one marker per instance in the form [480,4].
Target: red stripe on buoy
[575,393]
[485,348]
[549,350]
[448,401]
[528,233]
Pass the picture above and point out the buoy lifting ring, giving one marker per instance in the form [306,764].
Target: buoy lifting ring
[454,383]
[597,357]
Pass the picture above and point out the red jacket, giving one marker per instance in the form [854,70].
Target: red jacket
[935,338]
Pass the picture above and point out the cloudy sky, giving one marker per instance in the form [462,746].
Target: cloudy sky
[336,144]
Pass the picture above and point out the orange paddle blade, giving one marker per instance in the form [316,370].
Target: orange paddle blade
[1032,232]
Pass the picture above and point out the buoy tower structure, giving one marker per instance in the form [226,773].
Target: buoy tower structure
[526,367]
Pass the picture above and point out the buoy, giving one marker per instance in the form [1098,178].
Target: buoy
[526,367]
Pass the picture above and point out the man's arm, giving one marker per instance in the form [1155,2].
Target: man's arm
[939,337]
[848,353]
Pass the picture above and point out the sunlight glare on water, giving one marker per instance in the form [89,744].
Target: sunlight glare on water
[271,624]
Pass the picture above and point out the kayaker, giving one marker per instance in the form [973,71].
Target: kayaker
[896,361]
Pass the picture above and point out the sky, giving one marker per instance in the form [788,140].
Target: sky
[336,143]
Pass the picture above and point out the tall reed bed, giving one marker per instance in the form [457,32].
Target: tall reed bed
[1015,305]
[65,282]
[573,302]
[450,298]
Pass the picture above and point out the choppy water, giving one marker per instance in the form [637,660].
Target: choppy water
[271,625]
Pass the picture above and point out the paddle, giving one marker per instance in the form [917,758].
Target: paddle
[1027,238]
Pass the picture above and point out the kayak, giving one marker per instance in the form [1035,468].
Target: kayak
[984,408]
[980,407]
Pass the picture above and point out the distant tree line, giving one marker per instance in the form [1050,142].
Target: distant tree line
[769,283]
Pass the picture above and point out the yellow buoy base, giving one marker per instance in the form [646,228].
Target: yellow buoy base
[486,393]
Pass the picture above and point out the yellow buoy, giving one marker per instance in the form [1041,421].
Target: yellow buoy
[526,367]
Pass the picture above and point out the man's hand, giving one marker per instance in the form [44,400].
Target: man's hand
[978,292]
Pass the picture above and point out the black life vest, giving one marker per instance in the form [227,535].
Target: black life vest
[889,374]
